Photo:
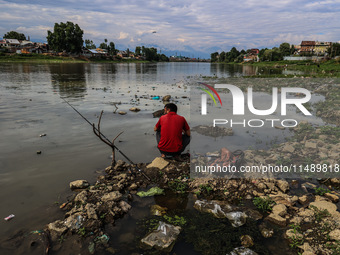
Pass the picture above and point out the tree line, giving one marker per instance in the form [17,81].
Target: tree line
[274,54]
[68,37]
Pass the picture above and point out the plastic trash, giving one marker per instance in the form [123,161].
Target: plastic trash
[151,192]
[156,98]
[9,217]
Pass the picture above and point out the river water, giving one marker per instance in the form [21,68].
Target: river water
[33,117]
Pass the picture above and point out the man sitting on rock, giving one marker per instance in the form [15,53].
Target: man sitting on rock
[173,132]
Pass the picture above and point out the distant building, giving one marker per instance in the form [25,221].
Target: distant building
[252,55]
[307,47]
[321,48]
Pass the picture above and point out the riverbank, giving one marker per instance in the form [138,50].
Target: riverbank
[41,58]
[329,68]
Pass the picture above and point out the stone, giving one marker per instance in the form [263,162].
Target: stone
[124,206]
[280,210]
[56,229]
[255,215]
[261,186]
[310,145]
[166,98]
[133,186]
[308,250]
[335,235]
[277,219]
[247,241]
[237,219]
[91,211]
[217,208]
[158,162]
[303,200]
[283,185]
[121,112]
[79,184]
[163,238]
[134,109]
[288,148]
[112,196]
[158,113]
[335,181]
[242,251]
[81,197]
[324,205]
[332,197]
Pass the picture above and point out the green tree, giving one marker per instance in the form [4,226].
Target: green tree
[66,37]
[15,35]
[89,44]
[138,50]
[334,50]
[214,57]
[222,57]
[285,49]
[112,49]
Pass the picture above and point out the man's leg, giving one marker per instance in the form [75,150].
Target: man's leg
[185,142]
[158,138]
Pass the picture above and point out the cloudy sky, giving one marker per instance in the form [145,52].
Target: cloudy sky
[191,27]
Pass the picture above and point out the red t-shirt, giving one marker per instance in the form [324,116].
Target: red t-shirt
[171,126]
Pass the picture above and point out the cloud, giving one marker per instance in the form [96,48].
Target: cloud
[182,24]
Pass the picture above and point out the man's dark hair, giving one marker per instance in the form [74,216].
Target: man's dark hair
[172,107]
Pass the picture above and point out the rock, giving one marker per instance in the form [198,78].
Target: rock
[261,186]
[303,200]
[280,127]
[56,229]
[335,181]
[112,196]
[158,162]
[332,197]
[166,98]
[79,184]
[242,251]
[237,219]
[288,148]
[280,210]
[158,113]
[283,185]
[247,241]
[81,197]
[122,112]
[324,205]
[277,219]
[124,206]
[163,238]
[158,210]
[134,109]
[255,215]
[133,186]
[217,208]
[310,145]
[91,211]
[308,250]
[335,235]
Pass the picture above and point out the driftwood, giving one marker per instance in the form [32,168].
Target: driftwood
[97,132]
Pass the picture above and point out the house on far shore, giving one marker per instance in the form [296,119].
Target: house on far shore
[321,48]
[307,47]
[252,55]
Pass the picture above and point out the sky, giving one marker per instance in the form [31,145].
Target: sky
[193,28]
